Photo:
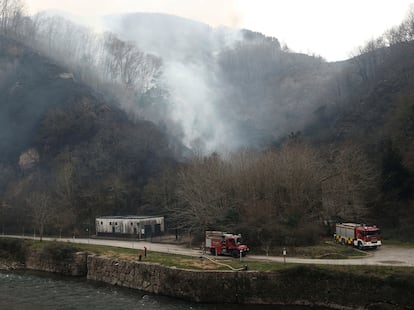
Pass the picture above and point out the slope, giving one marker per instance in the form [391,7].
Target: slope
[375,111]
[65,149]
[228,88]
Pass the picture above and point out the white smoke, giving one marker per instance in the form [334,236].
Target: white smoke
[189,51]
[194,100]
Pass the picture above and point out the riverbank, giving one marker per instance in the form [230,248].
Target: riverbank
[10,265]
[340,288]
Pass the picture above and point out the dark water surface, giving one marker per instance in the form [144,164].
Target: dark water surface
[32,290]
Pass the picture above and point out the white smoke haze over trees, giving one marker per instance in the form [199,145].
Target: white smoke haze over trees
[213,89]
[190,75]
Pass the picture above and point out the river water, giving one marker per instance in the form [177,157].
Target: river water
[23,290]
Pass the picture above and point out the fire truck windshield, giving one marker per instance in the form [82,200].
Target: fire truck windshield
[371,233]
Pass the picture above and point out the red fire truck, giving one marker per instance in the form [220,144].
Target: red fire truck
[359,235]
[222,243]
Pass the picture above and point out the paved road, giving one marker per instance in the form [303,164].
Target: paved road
[383,256]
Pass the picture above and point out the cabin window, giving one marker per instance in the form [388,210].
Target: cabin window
[110,223]
[132,224]
[116,223]
[101,223]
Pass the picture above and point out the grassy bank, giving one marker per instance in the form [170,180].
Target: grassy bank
[14,249]
[326,249]
[399,243]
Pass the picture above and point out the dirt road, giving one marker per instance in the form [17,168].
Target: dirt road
[383,256]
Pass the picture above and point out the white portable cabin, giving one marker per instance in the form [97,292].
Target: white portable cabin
[130,226]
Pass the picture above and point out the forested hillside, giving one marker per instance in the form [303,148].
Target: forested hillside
[377,113]
[214,128]
[67,155]
[252,89]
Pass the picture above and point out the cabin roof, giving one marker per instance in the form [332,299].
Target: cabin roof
[128,217]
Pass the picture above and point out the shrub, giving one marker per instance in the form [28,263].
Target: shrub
[13,249]
[59,251]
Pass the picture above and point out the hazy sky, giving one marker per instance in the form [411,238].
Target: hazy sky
[330,28]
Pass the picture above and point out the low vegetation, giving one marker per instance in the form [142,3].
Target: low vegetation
[399,243]
[328,250]
[12,249]
[59,251]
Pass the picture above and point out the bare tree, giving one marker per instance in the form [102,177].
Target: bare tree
[42,211]
[202,191]
[261,193]
[11,15]
[126,63]
[349,185]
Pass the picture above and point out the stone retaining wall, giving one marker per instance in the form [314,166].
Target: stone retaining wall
[305,285]
[75,265]
[199,286]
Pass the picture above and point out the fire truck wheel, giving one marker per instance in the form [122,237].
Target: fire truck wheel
[360,246]
[213,251]
[235,254]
